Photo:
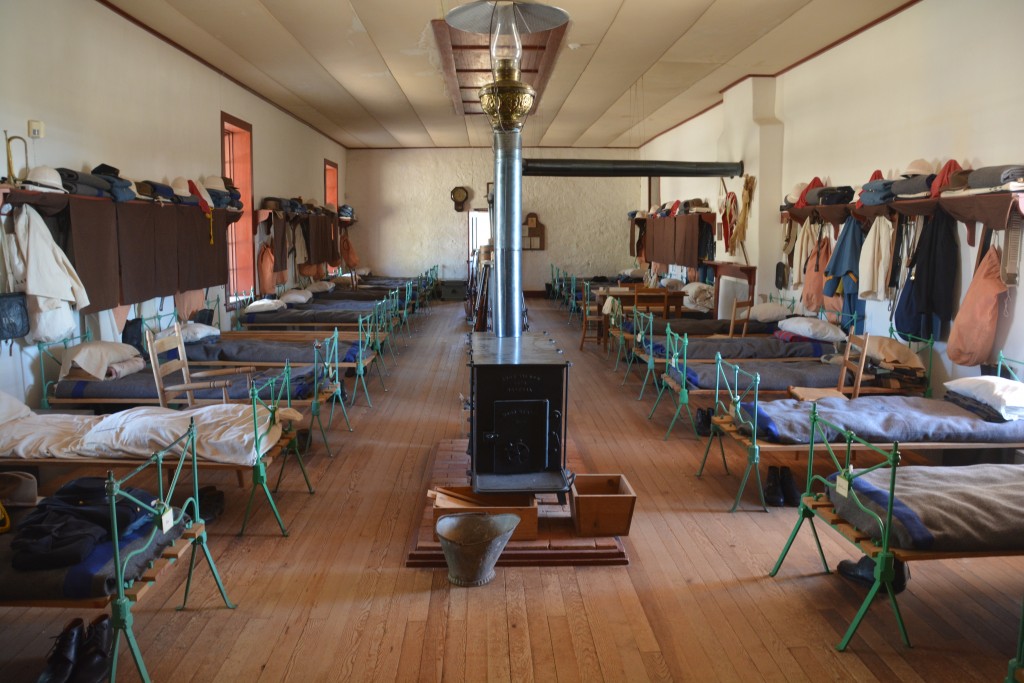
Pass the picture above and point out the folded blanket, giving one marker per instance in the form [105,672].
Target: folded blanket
[114,180]
[1012,174]
[82,178]
[85,190]
[158,189]
[989,176]
[883,185]
[869,198]
[915,184]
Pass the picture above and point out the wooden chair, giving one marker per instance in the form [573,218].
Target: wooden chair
[592,319]
[163,367]
[849,364]
[740,308]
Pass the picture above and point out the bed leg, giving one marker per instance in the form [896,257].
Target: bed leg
[201,542]
[259,480]
[753,459]
[707,449]
[293,444]
[121,621]
[337,398]
[805,515]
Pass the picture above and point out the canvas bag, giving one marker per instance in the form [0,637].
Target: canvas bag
[974,328]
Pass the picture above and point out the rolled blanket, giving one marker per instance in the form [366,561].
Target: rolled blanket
[883,185]
[875,198]
[85,190]
[1012,174]
[114,180]
[122,194]
[990,176]
[221,200]
[915,184]
[82,178]
[160,190]
[125,367]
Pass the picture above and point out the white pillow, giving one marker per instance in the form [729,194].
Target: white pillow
[192,332]
[363,272]
[265,306]
[296,296]
[12,409]
[321,286]
[769,312]
[812,328]
[95,356]
[1002,394]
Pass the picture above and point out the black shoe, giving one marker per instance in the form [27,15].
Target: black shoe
[64,654]
[863,572]
[790,491]
[211,503]
[94,656]
[773,488]
[702,421]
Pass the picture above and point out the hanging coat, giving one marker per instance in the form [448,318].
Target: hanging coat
[875,257]
[842,272]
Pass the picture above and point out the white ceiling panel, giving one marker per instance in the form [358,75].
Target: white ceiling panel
[368,73]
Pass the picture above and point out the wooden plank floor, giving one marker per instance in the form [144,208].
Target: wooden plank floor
[334,601]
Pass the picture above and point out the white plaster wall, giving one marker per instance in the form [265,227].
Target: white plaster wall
[901,90]
[110,92]
[934,101]
[407,222]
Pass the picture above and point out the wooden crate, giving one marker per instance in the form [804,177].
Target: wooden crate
[602,505]
[522,504]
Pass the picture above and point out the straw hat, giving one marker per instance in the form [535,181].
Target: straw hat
[18,489]
[180,187]
[214,182]
[44,179]
[917,167]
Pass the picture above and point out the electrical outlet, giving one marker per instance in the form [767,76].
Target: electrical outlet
[36,129]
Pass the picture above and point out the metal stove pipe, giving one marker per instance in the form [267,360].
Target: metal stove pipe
[625,168]
[508,238]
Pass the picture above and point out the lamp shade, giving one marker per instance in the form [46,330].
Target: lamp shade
[477,17]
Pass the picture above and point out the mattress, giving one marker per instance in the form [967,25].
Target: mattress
[971,508]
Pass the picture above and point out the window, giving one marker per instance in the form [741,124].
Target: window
[479,230]
[237,165]
[330,182]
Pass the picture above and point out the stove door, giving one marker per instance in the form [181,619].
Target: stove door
[519,441]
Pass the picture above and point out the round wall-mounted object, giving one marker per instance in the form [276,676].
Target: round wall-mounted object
[459,197]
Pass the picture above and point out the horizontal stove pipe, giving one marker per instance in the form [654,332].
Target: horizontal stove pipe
[606,168]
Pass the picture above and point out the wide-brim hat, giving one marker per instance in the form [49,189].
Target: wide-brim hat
[107,169]
[44,179]
[180,187]
[214,182]
[917,167]
[271,203]
[18,489]
[794,195]
[331,207]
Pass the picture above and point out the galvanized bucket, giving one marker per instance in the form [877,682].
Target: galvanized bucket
[472,543]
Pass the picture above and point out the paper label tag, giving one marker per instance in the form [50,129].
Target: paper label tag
[166,520]
[842,485]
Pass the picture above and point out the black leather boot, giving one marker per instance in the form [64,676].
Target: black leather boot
[790,490]
[773,488]
[863,572]
[94,656]
[64,655]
